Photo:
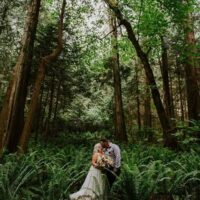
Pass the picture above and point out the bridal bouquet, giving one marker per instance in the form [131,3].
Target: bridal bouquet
[105,161]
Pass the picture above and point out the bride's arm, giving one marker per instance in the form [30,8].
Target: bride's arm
[94,159]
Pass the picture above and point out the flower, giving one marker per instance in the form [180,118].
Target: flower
[104,161]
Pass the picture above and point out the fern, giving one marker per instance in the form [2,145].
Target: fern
[53,172]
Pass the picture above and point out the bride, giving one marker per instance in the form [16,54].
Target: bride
[95,184]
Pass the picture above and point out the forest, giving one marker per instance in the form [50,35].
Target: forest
[75,71]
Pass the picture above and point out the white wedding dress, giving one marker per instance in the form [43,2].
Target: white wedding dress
[93,188]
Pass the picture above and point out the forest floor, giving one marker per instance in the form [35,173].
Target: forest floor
[52,171]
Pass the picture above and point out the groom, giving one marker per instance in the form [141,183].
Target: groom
[113,151]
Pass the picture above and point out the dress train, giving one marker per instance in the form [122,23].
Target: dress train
[93,188]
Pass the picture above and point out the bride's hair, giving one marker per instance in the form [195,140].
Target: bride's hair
[97,147]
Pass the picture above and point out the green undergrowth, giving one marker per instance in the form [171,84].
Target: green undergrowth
[151,170]
[55,170]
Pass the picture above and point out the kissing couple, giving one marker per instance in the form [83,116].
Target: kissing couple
[106,164]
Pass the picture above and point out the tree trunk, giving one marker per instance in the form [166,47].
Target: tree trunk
[12,114]
[23,144]
[137,96]
[147,108]
[169,139]
[48,120]
[120,128]
[165,77]
[172,99]
[56,106]
[148,115]
[178,71]
[45,103]
[37,129]
[193,91]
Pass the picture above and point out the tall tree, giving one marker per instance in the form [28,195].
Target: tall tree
[137,85]
[169,139]
[58,91]
[50,111]
[120,128]
[165,77]
[192,88]
[147,107]
[23,143]
[181,99]
[12,114]
[181,13]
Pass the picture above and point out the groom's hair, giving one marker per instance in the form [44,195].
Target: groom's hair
[104,140]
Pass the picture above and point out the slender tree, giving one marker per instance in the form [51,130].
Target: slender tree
[12,114]
[181,99]
[23,143]
[50,104]
[169,139]
[56,105]
[44,106]
[192,88]
[137,84]
[147,107]
[39,113]
[165,77]
[120,128]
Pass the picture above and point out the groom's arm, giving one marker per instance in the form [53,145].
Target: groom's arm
[117,157]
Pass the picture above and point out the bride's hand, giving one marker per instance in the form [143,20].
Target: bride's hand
[94,165]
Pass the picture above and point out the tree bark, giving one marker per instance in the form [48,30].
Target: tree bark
[137,97]
[165,77]
[169,139]
[147,107]
[56,105]
[120,128]
[44,105]
[178,72]
[23,144]
[12,114]
[172,99]
[48,120]
[192,88]
[37,129]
